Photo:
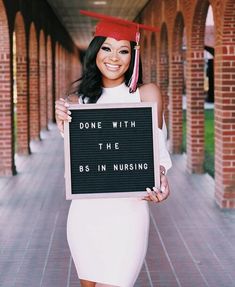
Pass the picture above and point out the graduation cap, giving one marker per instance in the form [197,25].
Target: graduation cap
[121,29]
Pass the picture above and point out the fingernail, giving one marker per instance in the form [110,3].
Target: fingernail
[68,112]
[66,105]
[69,119]
[148,190]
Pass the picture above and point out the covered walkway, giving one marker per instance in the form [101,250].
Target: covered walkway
[191,239]
[42,51]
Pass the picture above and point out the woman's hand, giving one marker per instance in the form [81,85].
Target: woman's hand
[62,113]
[156,194]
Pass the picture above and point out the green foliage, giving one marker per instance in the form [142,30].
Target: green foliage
[209,140]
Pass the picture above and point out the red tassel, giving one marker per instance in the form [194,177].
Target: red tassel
[135,75]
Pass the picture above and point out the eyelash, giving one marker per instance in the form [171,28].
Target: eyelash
[107,49]
[124,52]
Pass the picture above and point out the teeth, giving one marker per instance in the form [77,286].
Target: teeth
[112,66]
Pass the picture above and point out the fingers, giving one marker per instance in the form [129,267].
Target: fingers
[156,194]
[62,113]
[61,109]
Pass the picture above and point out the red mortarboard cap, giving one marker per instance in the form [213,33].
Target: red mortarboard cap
[121,29]
[117,28]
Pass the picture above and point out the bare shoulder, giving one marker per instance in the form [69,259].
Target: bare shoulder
[150,93]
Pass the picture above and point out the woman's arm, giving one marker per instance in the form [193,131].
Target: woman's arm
[151,93]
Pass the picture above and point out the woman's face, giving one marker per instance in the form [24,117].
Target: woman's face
[113,61]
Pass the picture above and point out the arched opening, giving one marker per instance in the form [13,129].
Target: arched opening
[209,93]
[14,90]
[176,86]
[184,102]
[164,70]
[195,89]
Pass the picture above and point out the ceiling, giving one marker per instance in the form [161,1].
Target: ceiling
[81,27]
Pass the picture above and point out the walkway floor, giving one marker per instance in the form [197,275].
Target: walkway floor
[192,241]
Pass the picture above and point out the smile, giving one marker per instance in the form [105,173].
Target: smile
[112,67]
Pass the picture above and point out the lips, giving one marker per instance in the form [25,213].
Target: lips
[112,67]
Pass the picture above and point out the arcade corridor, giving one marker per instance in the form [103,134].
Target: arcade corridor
[43,43]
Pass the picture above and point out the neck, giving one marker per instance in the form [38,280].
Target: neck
[107,83]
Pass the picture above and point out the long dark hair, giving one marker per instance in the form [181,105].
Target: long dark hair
[89,86]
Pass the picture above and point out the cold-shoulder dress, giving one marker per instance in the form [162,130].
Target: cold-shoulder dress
[108,238]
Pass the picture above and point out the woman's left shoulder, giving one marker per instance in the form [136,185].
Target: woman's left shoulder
[150,93]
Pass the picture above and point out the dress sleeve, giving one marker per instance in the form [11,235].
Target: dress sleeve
[165,159]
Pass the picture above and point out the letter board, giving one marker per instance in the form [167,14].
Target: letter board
[111,150]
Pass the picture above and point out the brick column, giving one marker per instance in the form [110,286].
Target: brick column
[76,66]
[68,65]
[225,112]
[57,70]
[62,71]
[176,86]
[43,81]
[50,101]
[22,89]
[146,61]
[195,111]
[176,111]
[33,85]
[7,166]
[153,59]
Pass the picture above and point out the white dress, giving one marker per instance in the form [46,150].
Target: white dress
[108,238]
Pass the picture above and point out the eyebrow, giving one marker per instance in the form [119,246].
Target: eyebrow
[124,46]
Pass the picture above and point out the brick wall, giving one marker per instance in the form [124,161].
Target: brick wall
[37,30]
[190,15]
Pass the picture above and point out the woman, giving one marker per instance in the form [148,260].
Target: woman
[108,237]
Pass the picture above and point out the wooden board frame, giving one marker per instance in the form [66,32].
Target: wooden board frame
[70,195]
